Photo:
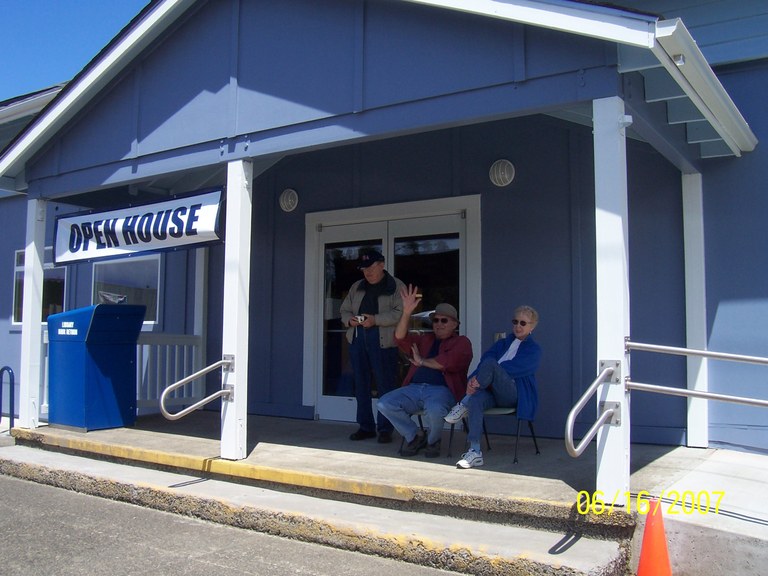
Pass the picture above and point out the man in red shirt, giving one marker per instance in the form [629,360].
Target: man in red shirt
[437,377]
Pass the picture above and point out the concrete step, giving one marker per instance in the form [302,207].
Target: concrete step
[328,470]
[459,533]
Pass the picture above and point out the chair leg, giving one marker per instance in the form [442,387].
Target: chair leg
[465,424]
[517,440]
[533,434]
[485,432]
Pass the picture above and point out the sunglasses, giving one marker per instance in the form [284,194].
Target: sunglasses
[440,320]
[522,323]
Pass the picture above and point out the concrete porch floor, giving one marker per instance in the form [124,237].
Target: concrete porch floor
[303,451]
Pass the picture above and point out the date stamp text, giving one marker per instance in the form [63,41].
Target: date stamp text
[671,502]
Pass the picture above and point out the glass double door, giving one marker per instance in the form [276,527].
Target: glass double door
[426,252]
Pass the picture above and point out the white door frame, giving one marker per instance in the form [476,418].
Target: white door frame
[467,206]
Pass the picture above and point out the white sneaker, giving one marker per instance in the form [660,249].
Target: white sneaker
[470,459]
[456,413]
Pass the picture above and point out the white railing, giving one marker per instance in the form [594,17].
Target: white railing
[161,360]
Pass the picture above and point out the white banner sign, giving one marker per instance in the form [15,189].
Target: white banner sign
[182,221]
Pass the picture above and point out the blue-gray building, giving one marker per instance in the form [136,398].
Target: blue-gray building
[600,163]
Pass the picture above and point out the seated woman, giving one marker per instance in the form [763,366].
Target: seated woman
[506,376]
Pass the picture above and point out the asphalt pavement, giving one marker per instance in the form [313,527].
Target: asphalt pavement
[90,536]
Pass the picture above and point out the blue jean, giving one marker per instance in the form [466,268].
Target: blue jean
[502,393]
[399,405]
[369,358]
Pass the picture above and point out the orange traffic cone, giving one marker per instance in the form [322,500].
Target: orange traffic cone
[654,558]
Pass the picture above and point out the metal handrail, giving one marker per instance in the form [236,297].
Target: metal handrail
[221,393]
[629,345]
[607,414]
[11,394]
[629,385]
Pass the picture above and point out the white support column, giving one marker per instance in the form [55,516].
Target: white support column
[30,373]
[695,308]
[611,229]
[237,275]
[201,306]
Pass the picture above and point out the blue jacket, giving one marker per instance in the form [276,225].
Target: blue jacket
[522,368]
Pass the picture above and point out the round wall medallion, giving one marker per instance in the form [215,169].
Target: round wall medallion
[502,173]
[289,199]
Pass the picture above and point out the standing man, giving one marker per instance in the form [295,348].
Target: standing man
[437,378]
[371,311]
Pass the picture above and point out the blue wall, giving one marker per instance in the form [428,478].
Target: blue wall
[736,212]
[246,79]
[538,249]
[13,224]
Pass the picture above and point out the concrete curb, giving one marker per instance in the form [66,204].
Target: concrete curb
[525,512]
[404,547]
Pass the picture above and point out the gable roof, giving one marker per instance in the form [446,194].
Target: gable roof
[152,21]
[665,46]
[15,114]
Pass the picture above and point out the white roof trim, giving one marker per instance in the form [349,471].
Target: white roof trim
[27,106]
[80,90]
[571,17]
[680,55]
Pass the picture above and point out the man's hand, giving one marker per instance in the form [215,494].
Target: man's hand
[411,298]
[369,321]
[416,359]
[473,386]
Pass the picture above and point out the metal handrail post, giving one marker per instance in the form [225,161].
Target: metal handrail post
[226,362]
[11,393]
[576,451]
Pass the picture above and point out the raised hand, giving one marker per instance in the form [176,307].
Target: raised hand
[411,298]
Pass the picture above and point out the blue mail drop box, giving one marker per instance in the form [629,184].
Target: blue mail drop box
[92,366]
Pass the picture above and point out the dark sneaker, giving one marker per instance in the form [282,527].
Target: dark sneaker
[433,450]
[412,448]
[385,437]
[362,435]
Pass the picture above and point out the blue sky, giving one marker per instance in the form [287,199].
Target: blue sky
[45,42]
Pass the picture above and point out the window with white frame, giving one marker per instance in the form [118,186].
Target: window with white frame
[54,281]
[129,281]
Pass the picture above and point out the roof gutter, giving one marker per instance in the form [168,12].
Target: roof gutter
[27,106]
[562,15]
[79,91]
[679,54]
